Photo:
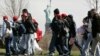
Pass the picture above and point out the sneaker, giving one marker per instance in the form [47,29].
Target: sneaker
[25,54]
[65,55]
[51,54]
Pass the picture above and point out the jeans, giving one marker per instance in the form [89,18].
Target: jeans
[86,45]
[15,44]
[7,45]
[52,43]
[29,41]
[94,44]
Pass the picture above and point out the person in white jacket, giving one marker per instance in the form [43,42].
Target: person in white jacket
[36,45]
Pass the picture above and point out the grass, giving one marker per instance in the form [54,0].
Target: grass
[2,51]
[73,53]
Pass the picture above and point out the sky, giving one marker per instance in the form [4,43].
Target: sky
[78,8]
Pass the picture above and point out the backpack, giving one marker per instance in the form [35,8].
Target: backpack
[18,29]
[35,24]
[39,35]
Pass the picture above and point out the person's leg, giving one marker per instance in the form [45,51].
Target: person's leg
[98,50]
[36,45]
[64,45]
[87,45]
[79,46]
[7,43]
[79,42]
[29,45]
[15,44]
[94,44]
[52,43]
[59,46]
[69,47]
[93,47]
[32,47]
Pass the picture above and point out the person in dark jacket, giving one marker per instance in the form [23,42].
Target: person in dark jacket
[72,32]
[16,35]
[30,29]
[95,33]
[88,32]
[54,29]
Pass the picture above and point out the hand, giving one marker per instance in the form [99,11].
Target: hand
[71,41]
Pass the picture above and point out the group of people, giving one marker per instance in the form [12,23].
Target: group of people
[65,34]
[21,36]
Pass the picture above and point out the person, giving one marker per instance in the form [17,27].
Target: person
[72,32]
[95,32]
[30,29]
[18,29]
[79,37]
[88,36]
[6,34]
[37,36]
[54,34]
[16,35]
[63,29]
[66,28]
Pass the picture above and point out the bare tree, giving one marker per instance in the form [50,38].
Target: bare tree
[93,4]
[12,7]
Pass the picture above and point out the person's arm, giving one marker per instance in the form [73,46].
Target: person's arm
[73,30]
[73,34]
[94,28]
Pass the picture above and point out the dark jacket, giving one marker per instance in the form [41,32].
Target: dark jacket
[54,25]
[30,28]
[95,25]
[72,27]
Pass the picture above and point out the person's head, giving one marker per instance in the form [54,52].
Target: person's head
[85,22]
[5,18]
[24,14]
[93,10]
[56,11]
[63,15]
[91,13]
[70,16]
[24,11]
[15,18]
